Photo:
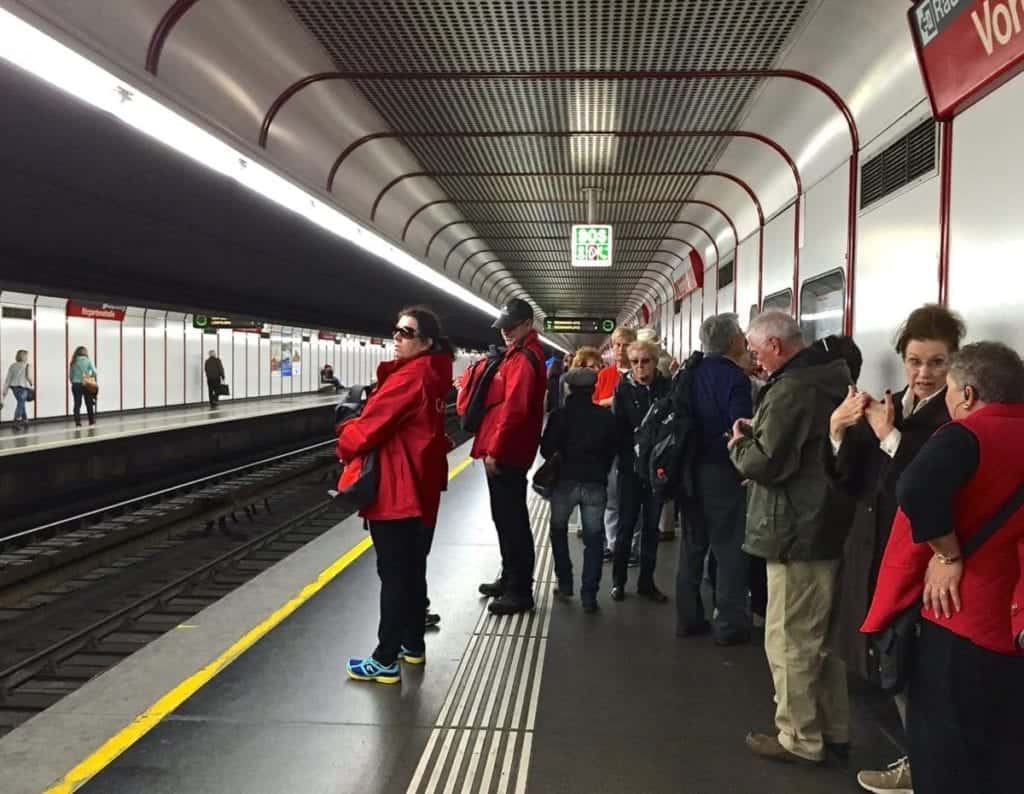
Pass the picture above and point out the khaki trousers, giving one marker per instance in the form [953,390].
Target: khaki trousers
[812,703]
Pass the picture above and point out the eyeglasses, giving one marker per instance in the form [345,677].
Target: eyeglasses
[638,361]
[405,332]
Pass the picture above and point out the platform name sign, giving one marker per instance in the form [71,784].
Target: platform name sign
[96,311]
[591,246]
[966,49]
[579,325]
[212,323]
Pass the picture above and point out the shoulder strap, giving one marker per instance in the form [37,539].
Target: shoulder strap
[995,523]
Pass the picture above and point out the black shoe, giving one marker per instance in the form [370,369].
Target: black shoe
[608,555]
[618,593]
[564,590]
[495,589]
[840,750]
[579,532]
[432,620]
[697,630]
[633,561]
[652,593]
[510,604]
[728,640]
[590,607]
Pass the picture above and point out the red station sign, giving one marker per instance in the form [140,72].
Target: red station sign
[966,48]
[93,311]
[693,280]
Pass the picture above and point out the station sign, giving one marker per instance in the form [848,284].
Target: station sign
[96,311]
[327,336]
[210,322]
[966,49]
[691,280]
[579,325]
[591,246]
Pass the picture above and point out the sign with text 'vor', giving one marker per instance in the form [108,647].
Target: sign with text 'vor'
[579,325]
[591,246]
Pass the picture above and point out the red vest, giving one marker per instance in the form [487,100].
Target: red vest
[992,573]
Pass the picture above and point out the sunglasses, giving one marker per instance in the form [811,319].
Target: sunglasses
[405,332]
[638,361]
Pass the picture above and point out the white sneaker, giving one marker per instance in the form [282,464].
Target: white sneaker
[894,780]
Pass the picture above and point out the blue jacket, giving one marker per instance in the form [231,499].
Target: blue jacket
[720,394]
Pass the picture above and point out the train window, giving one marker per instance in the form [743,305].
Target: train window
[821,305]
[779,300]
[726,273]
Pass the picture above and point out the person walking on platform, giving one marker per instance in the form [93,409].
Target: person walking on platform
[720,395]
[583,435]
[797,520]
[634,396]
[214,377]
[19,382]
[604,395]
[403,424]
[82,375]
[507,442]
[955,545]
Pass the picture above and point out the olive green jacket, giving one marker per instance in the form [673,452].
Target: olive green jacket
[794,509]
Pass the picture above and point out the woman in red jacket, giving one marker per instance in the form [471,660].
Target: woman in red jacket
[403,420]
[966,688]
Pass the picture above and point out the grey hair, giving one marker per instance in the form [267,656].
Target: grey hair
[994,370]
[775,322]
[717,333]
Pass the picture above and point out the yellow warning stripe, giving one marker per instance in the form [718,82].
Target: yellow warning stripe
[147,720]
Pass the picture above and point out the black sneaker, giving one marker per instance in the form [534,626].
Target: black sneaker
[432,620]
[495,589]
[608,555]
[510,604]
[652,593]
[618,593]
[590,607]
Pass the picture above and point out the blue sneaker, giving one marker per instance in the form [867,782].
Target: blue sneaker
[412,657]
[369,669]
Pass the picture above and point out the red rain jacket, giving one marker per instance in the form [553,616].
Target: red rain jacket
[404,421]
[510,430]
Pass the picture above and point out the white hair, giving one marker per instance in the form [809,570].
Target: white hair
[717,333]
[775,323]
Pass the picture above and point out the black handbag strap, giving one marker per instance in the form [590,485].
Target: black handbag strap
[993,524]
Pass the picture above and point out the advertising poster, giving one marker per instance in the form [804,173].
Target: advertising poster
[286,358]
[297,360]
[275,357]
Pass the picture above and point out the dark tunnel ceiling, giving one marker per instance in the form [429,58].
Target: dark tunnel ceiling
[93,207]
[626,36]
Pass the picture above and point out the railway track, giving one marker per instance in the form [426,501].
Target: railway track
[64,625]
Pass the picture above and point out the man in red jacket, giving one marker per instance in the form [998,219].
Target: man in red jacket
[507,442]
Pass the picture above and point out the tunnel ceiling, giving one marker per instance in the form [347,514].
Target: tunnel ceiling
[508,161]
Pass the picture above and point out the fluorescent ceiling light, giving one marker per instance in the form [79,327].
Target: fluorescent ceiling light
[32,50]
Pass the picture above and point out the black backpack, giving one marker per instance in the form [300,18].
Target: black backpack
[472,401]
[667,439]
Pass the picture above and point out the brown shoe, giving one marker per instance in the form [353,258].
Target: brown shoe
[769,747]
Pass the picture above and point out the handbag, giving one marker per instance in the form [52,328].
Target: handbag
[222,390]
[547,475]
[89,384]
[30,395]
[894,648]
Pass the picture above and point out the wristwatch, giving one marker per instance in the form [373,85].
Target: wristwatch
[947,560]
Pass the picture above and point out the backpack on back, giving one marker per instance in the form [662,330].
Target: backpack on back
[666,439]
[358,483]
[472,401]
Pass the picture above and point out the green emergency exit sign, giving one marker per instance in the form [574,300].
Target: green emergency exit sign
[591,245]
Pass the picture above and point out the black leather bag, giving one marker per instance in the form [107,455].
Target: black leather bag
[547,475]
[895,649]
[222,389]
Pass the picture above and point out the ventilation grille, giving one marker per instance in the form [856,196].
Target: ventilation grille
[901,163]
[725,274]
[16,313]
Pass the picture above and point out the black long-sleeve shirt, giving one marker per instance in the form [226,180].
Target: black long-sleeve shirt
[928,486]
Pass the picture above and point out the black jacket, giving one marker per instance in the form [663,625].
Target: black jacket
[585,435]
[632,401]
[214,369]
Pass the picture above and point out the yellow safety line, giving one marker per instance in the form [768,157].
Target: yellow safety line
[105,754]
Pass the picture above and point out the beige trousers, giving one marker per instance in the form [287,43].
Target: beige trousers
[812,703]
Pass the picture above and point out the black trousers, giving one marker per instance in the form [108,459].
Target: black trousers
[212,385]
[512,520]
[636,501]
[79,393]
[402,566]
[964,718]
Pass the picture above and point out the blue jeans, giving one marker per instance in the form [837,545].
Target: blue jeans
[20,393]
[591,498]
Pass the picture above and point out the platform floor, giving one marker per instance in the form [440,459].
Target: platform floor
[48,434]
[556,701]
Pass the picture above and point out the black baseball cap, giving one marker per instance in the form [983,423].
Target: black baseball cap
[512,313]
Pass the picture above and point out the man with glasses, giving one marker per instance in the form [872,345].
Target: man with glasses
[634,395]
[507,442]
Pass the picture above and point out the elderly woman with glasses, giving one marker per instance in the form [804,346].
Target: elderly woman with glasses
[403,421]
[634,395]
[966,683]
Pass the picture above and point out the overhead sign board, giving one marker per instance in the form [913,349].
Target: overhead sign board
[207,322]
[966,48]
[591,246]
[96,311]
[690,280]
[579,325]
